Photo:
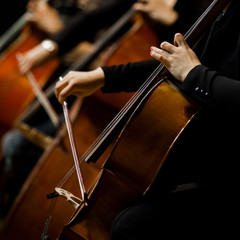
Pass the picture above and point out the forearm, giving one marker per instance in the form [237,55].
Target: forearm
[128,77]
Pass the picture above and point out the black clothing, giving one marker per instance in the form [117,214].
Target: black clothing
[129,77]
[224,46]
[14,10]
[85,24]
[206,159]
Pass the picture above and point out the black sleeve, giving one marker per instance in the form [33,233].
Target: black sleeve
[212,89]
[128,77]
[84,25]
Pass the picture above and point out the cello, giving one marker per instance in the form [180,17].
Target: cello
[119,182]
[93,222]
[31,201]
[21,37]
[122,181]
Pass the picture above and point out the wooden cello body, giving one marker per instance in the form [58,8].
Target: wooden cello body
[132,168]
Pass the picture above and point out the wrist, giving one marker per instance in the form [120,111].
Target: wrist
[49,46]
[185,74]
[99,76]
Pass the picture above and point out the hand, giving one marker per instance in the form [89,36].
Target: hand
[35,57]
[79,84]
[161,11]
[179,58]
[44,16]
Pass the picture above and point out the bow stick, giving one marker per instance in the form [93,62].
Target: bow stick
[74,151]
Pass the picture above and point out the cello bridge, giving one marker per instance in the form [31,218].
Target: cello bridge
[72,199]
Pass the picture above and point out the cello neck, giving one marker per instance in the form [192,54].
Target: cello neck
[197,30]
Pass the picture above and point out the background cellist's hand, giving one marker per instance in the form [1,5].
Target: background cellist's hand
[44,16]
[161,11]
[36,56]
[79,84]
[179,58]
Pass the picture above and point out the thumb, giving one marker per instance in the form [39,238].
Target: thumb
[179,40]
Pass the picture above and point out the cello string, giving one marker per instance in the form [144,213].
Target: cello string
[121,114]
[141,89]
[116,119]
[138,93]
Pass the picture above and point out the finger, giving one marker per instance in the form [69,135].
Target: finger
[179,40]
[22,66]
[160,51]
[168,47]
[161,58]
[64,94]
[63,88]
[59,86]
[160,55]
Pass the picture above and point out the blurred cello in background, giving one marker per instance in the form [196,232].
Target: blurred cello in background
[15,91]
